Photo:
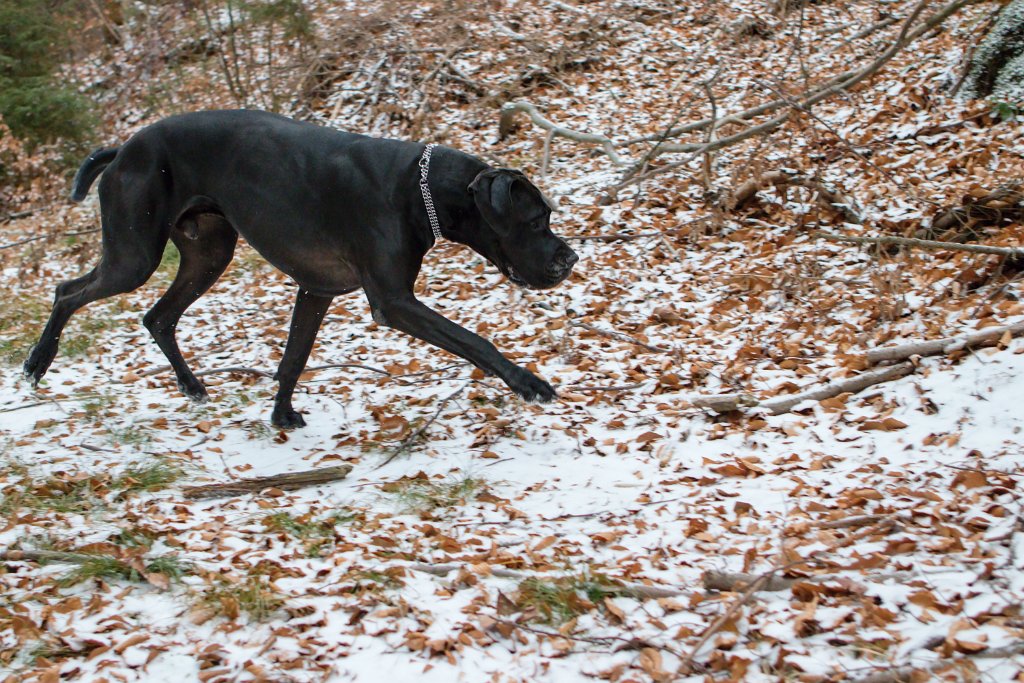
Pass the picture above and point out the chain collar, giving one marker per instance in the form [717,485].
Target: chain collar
[428,201]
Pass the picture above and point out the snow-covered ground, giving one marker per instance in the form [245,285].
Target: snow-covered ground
[577,540]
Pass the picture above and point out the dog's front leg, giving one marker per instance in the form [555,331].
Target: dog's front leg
[309,312]
[406,313]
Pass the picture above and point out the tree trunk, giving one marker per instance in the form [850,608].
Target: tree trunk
[996,66]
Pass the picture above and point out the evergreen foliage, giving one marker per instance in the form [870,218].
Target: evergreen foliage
[34,104]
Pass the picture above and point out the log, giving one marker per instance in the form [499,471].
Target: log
[44,556]
[985,337]
[286,482]
[1012,252]
[715,580]
[629,590]
[725,403]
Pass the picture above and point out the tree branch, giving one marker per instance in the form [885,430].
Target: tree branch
[1012,252]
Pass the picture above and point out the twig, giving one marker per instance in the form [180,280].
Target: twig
[409,440]
[510,109]
[989,335]
[1012,252]
[687,665]
[612,334]
[286,482]
[47,236]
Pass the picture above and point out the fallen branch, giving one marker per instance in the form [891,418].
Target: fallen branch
[1012,252]
[852,385]
[49,235]
[286,482]
[45,556]
[612,334]
[985,337]
[408,441]
[1004,205]
[630,236]
[906,673]
[686,667]
[625,589]
[510,109]
[841,83]
[724,403]
[825,196]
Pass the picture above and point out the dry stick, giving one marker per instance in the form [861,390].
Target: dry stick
[626,589]
[906,673]
[826,197]
[286,482]
[630,236]
[41,556]
[612,334]
[510,109]
[408,441]
[989,335]
[723,403]
[48,236]
[1012,252]
[687,665]
[853,385]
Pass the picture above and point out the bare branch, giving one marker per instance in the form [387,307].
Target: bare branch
[510,109]
[1012,252]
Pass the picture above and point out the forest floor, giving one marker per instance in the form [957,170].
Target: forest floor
[622,532]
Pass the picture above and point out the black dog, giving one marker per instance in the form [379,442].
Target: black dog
[335,211]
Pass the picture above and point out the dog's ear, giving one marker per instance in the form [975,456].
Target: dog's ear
[492,192]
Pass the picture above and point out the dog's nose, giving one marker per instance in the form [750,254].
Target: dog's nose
[571,259]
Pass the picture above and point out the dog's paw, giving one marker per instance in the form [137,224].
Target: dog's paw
[194,390]
[287,419]
[533,389]
[35,366]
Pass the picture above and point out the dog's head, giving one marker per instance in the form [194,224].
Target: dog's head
[518,236]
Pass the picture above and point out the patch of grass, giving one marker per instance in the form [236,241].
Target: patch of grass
[558,600]
[316,533]
[169,261]
[426,497]
[97,404]
[258,430]
[133,436]
[254,597]
[68,496]
[105,567]
[149,476]
[372,581]
[20,325]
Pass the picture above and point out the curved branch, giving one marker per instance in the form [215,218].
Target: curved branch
[510,109]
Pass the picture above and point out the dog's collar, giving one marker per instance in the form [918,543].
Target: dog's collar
[428,201]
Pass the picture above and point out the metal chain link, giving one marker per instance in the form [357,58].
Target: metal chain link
[435,226]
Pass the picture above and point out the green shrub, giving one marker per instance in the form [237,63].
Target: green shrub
[34,104]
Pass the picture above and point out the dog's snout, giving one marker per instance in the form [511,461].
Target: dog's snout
[565,259]
[571,259]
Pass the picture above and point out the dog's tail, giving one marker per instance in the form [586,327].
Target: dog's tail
[92,167]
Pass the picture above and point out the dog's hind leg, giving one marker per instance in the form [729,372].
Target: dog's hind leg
[131,252]
[206,243]
[309,312]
